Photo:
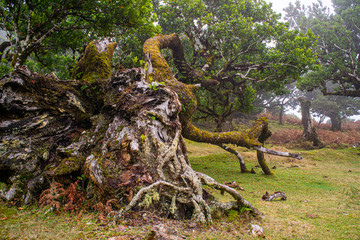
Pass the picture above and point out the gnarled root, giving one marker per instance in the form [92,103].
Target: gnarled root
[240,201]
[202,208]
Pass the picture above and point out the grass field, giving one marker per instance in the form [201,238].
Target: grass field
[323,198]
[323,201]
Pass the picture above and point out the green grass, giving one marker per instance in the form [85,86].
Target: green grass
[316,185]
[325,183]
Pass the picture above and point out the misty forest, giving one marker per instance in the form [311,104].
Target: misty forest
[179,119]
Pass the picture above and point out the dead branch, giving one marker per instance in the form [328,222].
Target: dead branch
[278,153]
[278,194]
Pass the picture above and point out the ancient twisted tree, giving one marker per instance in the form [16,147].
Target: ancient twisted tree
[123,130]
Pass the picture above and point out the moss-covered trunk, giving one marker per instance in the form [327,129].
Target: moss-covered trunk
[121,132]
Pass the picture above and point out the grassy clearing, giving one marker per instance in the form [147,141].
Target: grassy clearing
[323,201]
[317,206]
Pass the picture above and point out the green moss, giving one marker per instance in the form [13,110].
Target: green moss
[94,65]
[69,165]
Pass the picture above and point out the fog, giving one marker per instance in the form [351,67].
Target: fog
[279,5]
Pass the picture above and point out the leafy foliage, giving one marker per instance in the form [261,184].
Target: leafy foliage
[42,28]
[338,45]
[240,44]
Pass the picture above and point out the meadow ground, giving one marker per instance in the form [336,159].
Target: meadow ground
[323,201]
[323,190]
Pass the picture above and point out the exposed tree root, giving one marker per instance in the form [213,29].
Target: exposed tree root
[202,208]
[240,201]
[238,155]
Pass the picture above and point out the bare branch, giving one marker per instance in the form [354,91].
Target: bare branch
[278,153]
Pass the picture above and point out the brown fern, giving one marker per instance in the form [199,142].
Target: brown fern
[75,199]
[52,196]
[56,196]
[104,210]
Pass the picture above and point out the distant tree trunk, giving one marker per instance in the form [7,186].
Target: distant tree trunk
[309,133]
[281,114]
[335,122]
[219,124]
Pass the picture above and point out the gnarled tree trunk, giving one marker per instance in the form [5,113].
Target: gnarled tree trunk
[124,134]
[123,131]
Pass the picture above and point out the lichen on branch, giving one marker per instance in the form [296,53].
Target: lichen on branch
[161,70]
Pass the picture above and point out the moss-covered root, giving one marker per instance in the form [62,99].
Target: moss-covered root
[263,164]
[201,213]
[96,62]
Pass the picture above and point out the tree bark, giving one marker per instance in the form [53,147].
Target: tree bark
[281,114]
[243,168]
[335,122]
[3,46]
[309,133]
[124,131]
[121,132]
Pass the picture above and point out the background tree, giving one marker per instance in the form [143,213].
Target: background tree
[218,108]
[240,44]
[337,108]
[338,45]
[45,28]
[277,104]
[309,133]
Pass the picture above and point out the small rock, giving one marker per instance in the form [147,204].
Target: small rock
[257,231]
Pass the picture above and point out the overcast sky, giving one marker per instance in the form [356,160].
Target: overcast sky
[278,5]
